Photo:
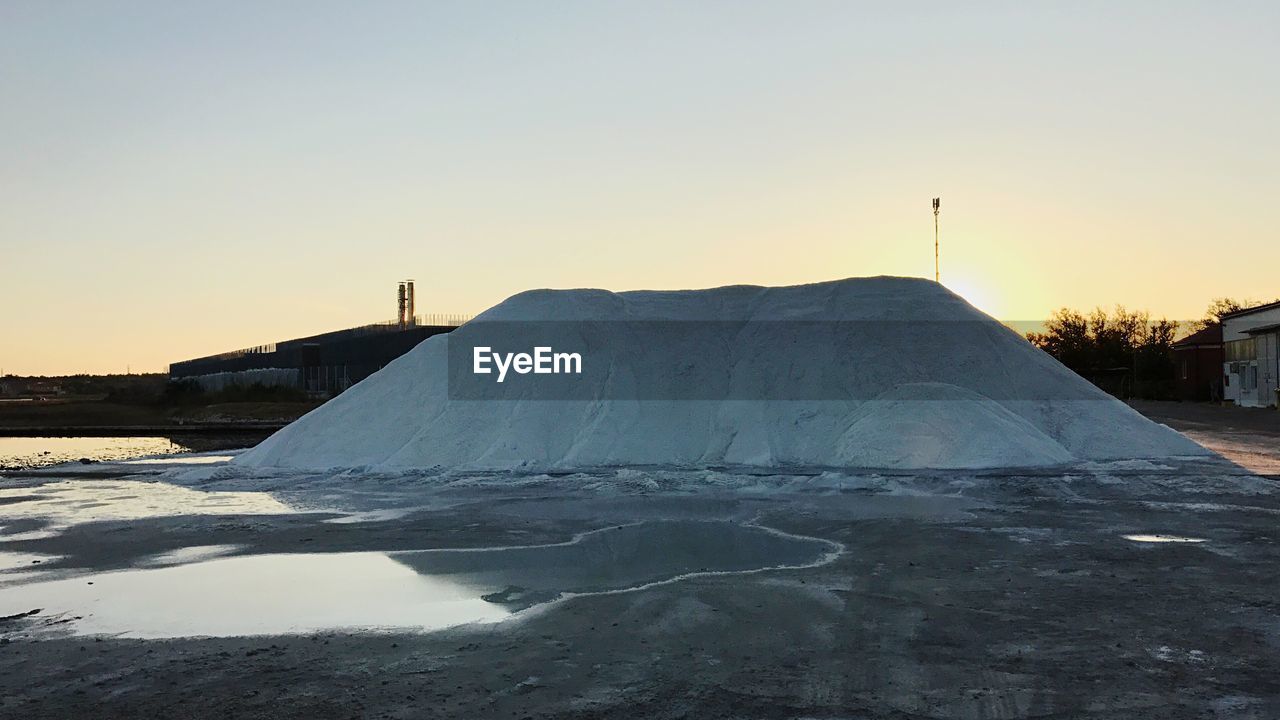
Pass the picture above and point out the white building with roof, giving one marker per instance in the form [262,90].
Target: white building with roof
[1251,356]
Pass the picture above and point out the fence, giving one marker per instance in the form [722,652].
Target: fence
[269,377]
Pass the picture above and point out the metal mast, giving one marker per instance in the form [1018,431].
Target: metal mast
[937,204]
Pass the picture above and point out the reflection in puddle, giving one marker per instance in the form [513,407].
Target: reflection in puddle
[182,460]
[1162,539]
[254,595]
[616,558]
[70,502]
[18,567]
[29,452]
[372,516]
[182,556]
[421,590]
[22,561]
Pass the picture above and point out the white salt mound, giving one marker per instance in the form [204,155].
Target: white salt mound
[935,425]
[918,395]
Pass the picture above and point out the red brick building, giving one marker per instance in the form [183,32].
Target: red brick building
[1197,364]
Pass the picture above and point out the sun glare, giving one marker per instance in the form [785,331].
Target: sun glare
[979,294]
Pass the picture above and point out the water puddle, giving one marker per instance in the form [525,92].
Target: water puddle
[182,556]
[71,502]
[33,452]
[1163,539]
[253,595]
[10,561]
[416,591]
[372,516]
[617,558]
[18,567]
[182,460]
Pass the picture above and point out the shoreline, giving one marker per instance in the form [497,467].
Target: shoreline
[114,419]
[139,430]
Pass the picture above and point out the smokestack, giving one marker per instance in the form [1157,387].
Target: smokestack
[409,320]
[401,301]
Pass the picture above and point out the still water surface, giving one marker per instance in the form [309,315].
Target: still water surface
[33,452]
[417,590]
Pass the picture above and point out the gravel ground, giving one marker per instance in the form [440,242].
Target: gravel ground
[990,595]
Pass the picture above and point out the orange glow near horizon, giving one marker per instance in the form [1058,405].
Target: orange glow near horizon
[189,181]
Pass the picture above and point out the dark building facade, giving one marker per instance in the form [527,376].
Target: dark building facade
[1197,364]
[322,364]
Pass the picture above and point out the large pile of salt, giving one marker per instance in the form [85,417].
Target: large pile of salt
[867,372]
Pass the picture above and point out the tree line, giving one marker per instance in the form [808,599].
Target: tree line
[1125,352]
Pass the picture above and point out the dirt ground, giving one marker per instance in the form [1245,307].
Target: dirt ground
[956,596]
[1249,437]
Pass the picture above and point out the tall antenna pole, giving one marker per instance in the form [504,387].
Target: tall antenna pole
[937,204]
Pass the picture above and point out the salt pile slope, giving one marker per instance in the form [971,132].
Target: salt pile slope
[904,374]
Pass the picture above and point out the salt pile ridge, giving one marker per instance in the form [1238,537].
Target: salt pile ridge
[918,396]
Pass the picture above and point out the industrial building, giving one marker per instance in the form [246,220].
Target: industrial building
[324,364]
[1251,356]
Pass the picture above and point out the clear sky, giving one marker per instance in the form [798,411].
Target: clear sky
[179,179]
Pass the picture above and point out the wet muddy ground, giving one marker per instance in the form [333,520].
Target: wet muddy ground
[805,595]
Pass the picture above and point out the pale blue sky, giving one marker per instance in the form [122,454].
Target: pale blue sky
[180,179]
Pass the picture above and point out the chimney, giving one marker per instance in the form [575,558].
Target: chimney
[409,316]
